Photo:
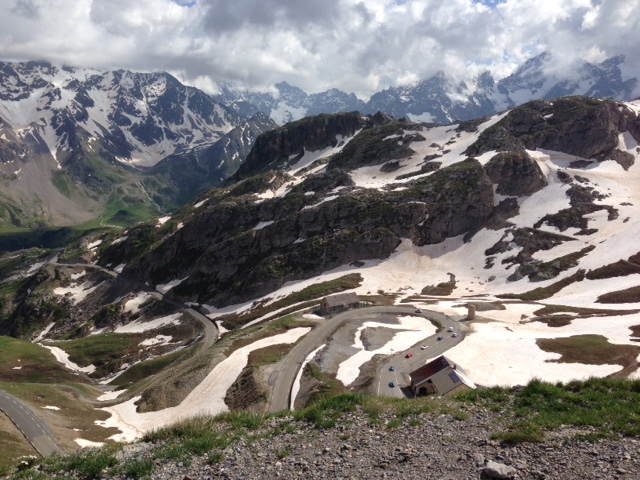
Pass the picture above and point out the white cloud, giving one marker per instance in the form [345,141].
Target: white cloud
[316,44]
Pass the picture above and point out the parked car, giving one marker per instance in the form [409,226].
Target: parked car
[423,347]
[440,338]
[392,384]
[454,335]
[392,368]
[408,355]
[418,311]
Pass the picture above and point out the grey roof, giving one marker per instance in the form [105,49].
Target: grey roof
[341,299]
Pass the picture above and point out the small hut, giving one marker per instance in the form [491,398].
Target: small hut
[340,302]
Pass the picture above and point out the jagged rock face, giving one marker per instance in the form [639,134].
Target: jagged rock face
[289,103]
[375,146]
[458,200]
[516,174]
[433,100]
[89,133]
[315,133]
[578,126]
[239,248]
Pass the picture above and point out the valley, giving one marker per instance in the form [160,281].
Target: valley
[526,218]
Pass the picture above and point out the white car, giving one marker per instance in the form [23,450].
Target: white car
[423,347]
[450,329]
[454,335]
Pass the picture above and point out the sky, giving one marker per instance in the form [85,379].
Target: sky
[359,46]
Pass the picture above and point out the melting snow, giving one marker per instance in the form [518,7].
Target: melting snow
[206,399]
[110,395]
[163,220]
[168,286]
[138,326]
[93,245]
[295,389]
[157,341]
[44,332]
[413,330]
[133,305]
[78,292]
[87,443]
[63,357]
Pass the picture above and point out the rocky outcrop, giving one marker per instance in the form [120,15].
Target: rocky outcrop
[515,173]
[287,144]
[582,200]
[375,146]
[579,126]
[240,247]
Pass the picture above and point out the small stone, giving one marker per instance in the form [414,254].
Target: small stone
[478,458]
[499,470]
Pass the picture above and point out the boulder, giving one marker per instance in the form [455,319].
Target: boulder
[499,470]
[516,173]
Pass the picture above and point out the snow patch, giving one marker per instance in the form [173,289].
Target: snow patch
[206,399]
[138,326]
[164,288]
[63,357]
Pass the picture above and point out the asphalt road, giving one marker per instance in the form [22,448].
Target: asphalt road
[210,334]
[33,428]
[419,356]
[281,391]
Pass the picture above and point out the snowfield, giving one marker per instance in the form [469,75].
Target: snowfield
[502,345]
[206,399]
[502,350]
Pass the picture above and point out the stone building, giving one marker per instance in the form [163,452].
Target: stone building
[440,376]
[339,302]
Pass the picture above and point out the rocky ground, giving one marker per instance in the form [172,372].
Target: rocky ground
[427,446]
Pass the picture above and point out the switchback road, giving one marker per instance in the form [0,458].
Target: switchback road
[281,391]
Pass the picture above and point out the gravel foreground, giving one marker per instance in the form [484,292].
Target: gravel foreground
[425,446]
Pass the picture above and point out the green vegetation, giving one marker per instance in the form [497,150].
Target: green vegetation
[551,309]
[545,292]
[268,355]
[240,338]
[589,350]
[87,465]
[629,295]
[307,294]
[608,406]
[27,362]
[107,351]
[597,408]
[621,268]
[328,386]
[546,270]
[443,289]
[143,370]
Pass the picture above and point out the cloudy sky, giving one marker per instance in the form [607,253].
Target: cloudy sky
[355,45]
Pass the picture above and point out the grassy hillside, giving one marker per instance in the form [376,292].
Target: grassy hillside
[603,408]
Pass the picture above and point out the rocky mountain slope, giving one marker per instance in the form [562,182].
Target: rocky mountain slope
[79,143]
[527,217]
[306,213]
[287,103]
[440,99]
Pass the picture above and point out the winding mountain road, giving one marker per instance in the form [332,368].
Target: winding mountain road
[281,391]
[210,333]
[32,427]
